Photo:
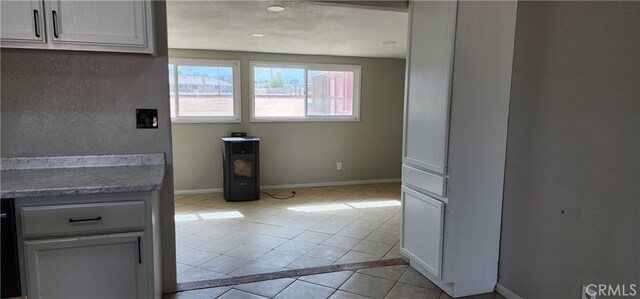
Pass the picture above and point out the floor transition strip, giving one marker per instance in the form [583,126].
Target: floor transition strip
[212,283]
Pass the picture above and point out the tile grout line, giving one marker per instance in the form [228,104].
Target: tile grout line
[224,293]
[338,288]
[233,287]
[394,282]
[389,291]
[334,289]
[285,288]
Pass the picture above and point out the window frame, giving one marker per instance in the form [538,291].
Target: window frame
[237,87]
[355,68]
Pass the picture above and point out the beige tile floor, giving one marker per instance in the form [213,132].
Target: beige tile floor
[318,227]
[393,282]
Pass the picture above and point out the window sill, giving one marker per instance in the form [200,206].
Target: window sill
[302,120]
[204,120]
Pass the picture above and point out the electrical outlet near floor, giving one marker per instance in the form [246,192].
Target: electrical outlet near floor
[339,166]
[590,295]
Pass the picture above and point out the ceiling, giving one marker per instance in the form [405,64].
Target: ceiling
[303,28]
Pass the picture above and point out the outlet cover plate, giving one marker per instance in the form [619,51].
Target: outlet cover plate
[147,118]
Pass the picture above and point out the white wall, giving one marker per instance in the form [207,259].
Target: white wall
[570,214]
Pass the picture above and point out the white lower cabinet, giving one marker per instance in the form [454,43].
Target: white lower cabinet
[422,230]
[104,266]
[89,246]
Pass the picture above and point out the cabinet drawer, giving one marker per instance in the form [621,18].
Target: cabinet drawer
[424,180]
[81,218]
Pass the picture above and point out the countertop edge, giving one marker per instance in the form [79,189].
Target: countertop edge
[24,163]
[144,174]
[77,191]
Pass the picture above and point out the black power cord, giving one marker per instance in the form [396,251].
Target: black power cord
[293,193]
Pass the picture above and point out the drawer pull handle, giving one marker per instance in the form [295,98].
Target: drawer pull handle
[139,250]
[71,220]
[55,23]
[36,21]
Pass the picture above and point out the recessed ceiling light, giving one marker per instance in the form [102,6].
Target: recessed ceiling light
[257,35]
[388,42]
[275,8]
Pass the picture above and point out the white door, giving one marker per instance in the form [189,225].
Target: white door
[422,230]
[106,266]
[116,23]
[429,70]
[22,21]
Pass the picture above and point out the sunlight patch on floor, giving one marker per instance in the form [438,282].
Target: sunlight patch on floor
[351,205]
[375,204]
[208,216]
[320,208]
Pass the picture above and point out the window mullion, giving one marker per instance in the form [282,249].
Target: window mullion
[177,89]
[306,91]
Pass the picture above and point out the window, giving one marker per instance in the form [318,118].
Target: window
[304,92]
[204,90]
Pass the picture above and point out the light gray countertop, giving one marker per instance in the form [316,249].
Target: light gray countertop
[54,176]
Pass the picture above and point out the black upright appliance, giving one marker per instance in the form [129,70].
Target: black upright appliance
[10,267]
[240,156]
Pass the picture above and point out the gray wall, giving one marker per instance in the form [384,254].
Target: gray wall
[570,214]
[303,152]
[75,103]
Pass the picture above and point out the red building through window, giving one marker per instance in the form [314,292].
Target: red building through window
[330,93]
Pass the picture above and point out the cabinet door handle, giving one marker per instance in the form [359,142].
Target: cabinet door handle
[36,20]
[139,250]
[54,14]
[71,220]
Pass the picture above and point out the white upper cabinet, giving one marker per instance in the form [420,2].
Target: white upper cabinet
[97,22]
[111,26]
[22,21]
[429,70]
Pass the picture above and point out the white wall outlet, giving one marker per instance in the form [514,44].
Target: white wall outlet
[339,166]
[588,295]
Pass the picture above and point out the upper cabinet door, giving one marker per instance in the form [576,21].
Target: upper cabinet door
[105,23]
[22,21]
[429,69]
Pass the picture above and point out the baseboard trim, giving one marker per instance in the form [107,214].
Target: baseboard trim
[329,184]
[197,191]
[502,290]
[289,186]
